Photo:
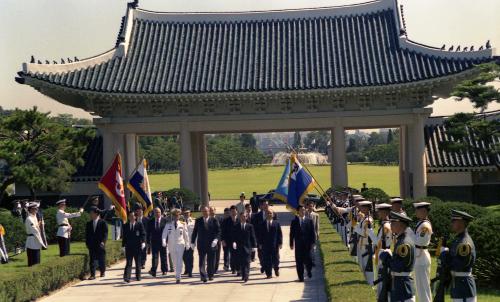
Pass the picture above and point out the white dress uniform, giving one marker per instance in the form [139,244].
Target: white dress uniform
[383,240]
[363,232]
[422,238]
[34,239]
[177,240]
[62,217]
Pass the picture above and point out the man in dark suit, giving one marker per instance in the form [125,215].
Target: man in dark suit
[156,226]
[257,220]
[206,235]
[96,234]
[254,202]
[225,248]
[139,215]
[243,243]
[271,241]
[302,238]
[133,243]
[227,231]
[219,244]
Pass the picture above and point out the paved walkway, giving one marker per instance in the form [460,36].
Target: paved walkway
[225,286]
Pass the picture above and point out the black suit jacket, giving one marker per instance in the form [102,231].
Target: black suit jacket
[270,239]
[227,227]
[244,238]
[145,223]
[153,236]
[133,238]
[204,235]
[93,238]
[302,236]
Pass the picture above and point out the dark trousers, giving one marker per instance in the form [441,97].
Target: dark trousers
[187,257]
[162,252]
[233,260]
[270,260]
[144,255]
[302,258]
[261,258]
[217,257]
[206,260]
[99,255]
[33,257]
[133,254]
[227,257]
[244,265]
[63,246]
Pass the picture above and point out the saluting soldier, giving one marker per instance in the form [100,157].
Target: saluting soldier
[423,233]
[34,241]
[175,234]
[397,205]
[460,259]
[383,239]
[402,259]
[64,228]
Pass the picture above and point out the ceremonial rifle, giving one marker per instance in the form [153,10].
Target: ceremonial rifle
[385,277]
[443,273]
[369,252]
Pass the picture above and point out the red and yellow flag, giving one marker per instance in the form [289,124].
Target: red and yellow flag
[111,184]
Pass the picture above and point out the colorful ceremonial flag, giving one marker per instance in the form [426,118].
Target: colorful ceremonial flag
[111,184]
[281,191]
[138,184]
[300,184]
[4,256]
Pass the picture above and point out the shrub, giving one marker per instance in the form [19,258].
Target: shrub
[189,198]
[15,234]
[376,195]
[77,224]
[41,279]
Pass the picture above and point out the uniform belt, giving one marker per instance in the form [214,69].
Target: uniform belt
[461,274]
[422,247]
[64,224]
[400,274]
[30,235]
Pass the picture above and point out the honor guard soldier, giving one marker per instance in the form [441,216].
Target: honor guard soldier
[383,239]
[401,261]
[460,259]
[175,235]
[64,228]
[423,233]
[397,205]
[34,241]
[188,253]
[365,244]
[133,243]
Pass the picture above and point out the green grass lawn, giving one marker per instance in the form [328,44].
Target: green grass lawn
[227,184]
[345,282]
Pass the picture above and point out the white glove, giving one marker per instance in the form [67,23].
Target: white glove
[444,249]
[214,243]
[123,250]
[388,251]
[112,207]
[143,246]
[81,210]
[235,246]
[164,243]
[193,246]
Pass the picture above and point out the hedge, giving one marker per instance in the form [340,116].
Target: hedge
[39,280]
[15,234]
[189,198]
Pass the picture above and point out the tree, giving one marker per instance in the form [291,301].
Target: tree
[376,138]
[352,145]
[297,140]
[317,141]
[40,153]
[390,136]
[463,126]
[248,140]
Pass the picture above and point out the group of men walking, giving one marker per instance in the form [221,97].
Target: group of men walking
[407,265]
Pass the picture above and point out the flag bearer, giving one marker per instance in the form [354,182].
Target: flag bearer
[175,235]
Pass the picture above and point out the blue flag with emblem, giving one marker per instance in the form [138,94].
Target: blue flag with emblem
[138,184]
[300,183]
[281,191]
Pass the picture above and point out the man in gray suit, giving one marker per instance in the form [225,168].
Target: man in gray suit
[311,214]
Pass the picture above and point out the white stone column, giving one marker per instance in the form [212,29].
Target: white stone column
[339,158]
[130,156]
[417,157]
[402,162]
[203,163]
[195,143]
[186,167]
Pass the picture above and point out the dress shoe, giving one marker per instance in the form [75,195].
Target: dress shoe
[164,273]
[103,275]
[238,274]
[204,280]
[91,278]
[126,280]
[261,270]
[138,279]
[210,278]
[152,273]
[190,275]
[309,275]
[245,280]
[300,280]
[269,277]
[277,273]
[171,270]
[177,281]
[143,267]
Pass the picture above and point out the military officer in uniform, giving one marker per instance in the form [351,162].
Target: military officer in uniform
[397,205]
[460,259]
[401,260]
[34,241]
[188,253]
[133,243]
[175,234]
[383,239]
[365,243]
[422,238]
[64,228]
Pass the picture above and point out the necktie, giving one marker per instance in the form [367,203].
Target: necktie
[175,225]
[268,226]
[157,224]
[95,224]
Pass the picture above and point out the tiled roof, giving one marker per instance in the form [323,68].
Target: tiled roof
[284,52]
[436,158]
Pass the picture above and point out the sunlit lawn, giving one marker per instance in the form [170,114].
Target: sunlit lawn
[227,184]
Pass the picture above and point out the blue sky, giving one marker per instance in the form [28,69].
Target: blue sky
[51,29]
